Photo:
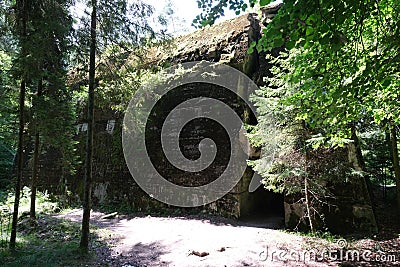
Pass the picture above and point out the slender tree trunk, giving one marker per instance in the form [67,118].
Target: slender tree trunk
[389,168]
[21,5]
[396,165]
[20,156]
[308,203]
[307,194]
[389,145]
[35,171]
[306,181]
[84,244]
[63,180]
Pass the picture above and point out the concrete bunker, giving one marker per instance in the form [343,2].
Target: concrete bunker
[226,43]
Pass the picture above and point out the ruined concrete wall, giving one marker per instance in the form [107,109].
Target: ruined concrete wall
[113,184]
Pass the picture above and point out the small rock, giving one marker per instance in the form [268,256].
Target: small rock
[199,254]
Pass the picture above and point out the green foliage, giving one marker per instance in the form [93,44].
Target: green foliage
[119,77]
[340,72]
[8,128]
[375,145]
[276,131]
[6,163]
[343,65]
[213,10]
[123,33]
[45,203]
[340,69]
[120,23]
[41,62]
[332,81]
[8,96]
[343,60]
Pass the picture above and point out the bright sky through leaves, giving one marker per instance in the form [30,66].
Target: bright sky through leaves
[186,10]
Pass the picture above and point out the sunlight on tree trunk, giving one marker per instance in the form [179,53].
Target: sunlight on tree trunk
[307,195]
[308,204]
[306,180]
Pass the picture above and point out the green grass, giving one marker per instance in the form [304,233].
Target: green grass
[39,253]
[43,205]
[48,241]
[327,236]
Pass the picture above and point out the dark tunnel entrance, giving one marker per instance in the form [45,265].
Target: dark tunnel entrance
[264,209]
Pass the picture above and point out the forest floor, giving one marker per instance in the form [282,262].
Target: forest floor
[204,240]
[139,240]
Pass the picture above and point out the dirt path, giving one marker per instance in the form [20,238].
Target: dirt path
[179,241]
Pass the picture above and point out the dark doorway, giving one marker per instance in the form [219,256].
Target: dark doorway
[265,209]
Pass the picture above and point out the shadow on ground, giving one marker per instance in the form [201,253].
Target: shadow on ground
[138,255]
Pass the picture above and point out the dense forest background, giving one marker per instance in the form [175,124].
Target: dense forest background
[335,85]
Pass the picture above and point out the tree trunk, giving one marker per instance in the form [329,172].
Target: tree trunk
[389,145]
[356,142]
[308,204]
[84,243]
[35,171]
[20,156]
[21,5]
[307,194]
[359,163]
[306,180]
[396,165]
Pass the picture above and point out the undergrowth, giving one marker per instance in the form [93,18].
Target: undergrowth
[46,241]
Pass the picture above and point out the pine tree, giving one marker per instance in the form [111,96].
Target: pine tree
[51,26]
[40,28]
[111,23]
[21,11]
